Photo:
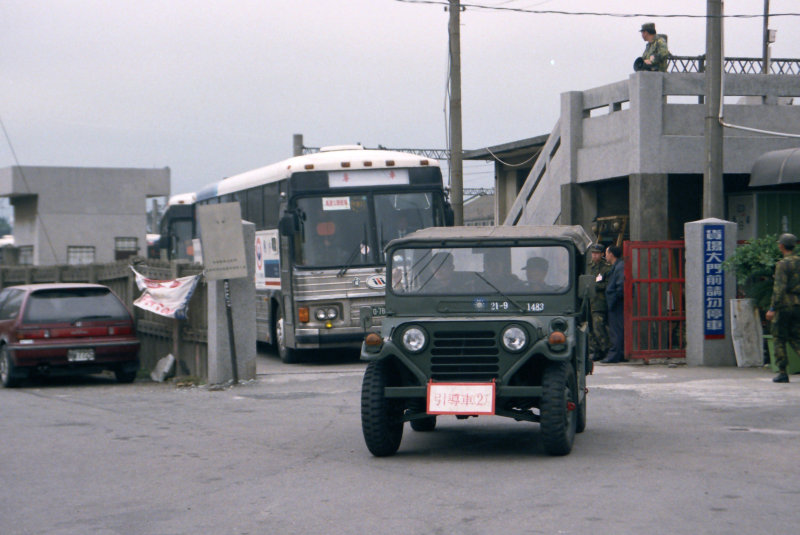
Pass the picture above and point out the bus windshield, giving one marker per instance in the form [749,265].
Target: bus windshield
[351,230]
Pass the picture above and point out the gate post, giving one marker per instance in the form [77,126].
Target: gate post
[708,291]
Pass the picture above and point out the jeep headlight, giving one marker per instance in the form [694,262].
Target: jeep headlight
[514,338]
[414,339]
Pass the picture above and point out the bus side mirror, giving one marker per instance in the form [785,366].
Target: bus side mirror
[449,215]
[288,226]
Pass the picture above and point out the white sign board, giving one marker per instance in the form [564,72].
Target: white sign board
[461,398]
[222,240]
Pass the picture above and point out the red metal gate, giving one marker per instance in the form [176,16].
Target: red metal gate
[655,307]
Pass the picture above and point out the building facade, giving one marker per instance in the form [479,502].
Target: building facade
[80,215]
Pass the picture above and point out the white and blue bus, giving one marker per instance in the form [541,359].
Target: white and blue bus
[322,221]
[177,229]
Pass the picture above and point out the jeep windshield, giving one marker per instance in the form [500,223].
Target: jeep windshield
[517,270]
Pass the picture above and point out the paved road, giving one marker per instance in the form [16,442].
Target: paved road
[667,450]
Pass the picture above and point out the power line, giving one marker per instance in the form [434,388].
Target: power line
[596,13]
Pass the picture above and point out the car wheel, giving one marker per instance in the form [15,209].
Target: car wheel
[287,354]
[381,418]
[125,376]
[558,408]
[424,424]
[7,372]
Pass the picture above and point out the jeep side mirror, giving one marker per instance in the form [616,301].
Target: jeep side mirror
[366,318]
[287,226]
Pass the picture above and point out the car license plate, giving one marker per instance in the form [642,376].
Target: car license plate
[461,398]
[80,355]
[378,311]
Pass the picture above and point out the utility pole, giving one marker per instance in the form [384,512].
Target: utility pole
[713,171]
[456,154]
[765,45]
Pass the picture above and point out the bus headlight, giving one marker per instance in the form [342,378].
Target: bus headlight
[515,338]
[414,339]
[323,314]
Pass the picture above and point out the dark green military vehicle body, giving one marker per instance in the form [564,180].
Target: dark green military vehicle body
[480,321]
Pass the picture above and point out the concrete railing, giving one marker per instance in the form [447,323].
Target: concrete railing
[654,123]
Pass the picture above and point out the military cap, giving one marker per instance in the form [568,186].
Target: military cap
[649,27]
[537,262]
[788,240]
[597,248]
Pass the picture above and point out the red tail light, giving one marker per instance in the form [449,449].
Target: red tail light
[120,330]
[31,334]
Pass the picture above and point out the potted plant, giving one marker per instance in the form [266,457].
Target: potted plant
[754,265]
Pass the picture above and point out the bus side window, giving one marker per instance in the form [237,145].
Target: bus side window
[255,207]
[272,203]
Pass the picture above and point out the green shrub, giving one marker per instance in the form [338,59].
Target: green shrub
[754,265]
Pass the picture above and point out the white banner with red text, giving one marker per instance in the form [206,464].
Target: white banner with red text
[165,297]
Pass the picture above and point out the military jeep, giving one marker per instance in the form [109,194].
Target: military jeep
[480,321]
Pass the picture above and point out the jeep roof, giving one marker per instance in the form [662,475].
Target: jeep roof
[574,234]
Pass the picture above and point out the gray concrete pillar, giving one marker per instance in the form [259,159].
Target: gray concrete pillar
[244,320]
[647,205]
[708,292]
[578,206]
[572,116]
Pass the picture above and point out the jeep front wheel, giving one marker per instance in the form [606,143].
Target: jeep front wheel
[381,418]
[558,408]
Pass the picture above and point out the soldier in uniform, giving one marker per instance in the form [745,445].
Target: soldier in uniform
[599,341]
[655,54]
[784,310]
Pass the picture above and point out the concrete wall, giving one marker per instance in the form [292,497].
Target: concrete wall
[57,207]
[644,129]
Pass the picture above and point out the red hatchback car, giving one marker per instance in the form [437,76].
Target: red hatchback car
[65,328]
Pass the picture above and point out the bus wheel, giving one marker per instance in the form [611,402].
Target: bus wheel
[287,354]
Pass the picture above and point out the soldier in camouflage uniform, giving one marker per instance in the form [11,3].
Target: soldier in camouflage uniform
[655,53]
[784,310]
[599,341]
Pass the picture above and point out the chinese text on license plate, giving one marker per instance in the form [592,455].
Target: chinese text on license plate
[461,398]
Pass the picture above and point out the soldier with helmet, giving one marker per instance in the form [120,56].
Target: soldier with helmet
[655,54]
[599,341]
[784,310]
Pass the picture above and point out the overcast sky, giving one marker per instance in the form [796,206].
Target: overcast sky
[214,88]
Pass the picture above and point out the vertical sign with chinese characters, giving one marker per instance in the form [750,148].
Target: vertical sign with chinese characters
[714,281]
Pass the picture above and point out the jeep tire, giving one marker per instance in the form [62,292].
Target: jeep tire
[381,418]
[558,408]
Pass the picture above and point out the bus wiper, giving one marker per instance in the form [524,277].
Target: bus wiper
[352,258]
[496,289]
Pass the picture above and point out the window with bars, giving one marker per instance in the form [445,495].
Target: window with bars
[78,255]
[125,247]
[25,255]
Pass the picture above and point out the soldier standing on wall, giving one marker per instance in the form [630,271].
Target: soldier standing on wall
[784,310]
[656,53]
[598,338]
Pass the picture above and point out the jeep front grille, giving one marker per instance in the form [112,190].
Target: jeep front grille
[464,355]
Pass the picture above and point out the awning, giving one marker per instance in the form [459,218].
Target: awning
[776,168]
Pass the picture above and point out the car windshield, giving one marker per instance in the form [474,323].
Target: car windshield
[73,304]
[519,270]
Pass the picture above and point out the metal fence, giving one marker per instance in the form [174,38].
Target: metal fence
[186,339]
[735,65]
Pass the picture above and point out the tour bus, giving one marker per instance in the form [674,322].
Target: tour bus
[322,221]
[177,229]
